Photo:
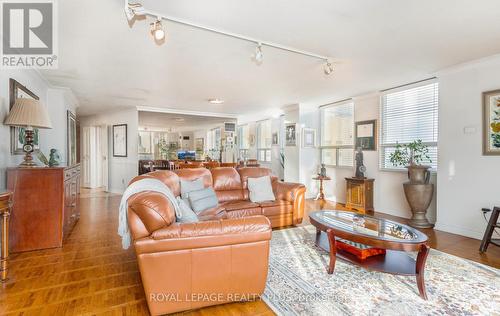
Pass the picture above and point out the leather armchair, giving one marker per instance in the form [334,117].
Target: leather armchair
[185,266]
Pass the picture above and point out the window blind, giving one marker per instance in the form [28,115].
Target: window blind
[408,114]
[337,134]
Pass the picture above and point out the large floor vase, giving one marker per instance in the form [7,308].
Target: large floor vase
[419,193]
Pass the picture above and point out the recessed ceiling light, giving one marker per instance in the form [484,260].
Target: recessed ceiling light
[216,101]
[179,119]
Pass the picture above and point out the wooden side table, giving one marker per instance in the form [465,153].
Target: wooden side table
[5,207]
[359,194]
[321,194]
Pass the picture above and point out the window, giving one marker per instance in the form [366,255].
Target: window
[214,142]
[264,141]
[408,114]
[243,140]
[337,129]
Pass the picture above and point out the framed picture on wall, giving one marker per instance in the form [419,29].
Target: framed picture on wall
[120,140]
[291,134]
[366,135]
[308,137]
[491,123]
[17,90]
[276,139]
[71,138]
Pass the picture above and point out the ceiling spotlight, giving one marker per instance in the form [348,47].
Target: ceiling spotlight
[157,30]
[328,69]
[133,9]
[215,101]
[258,57]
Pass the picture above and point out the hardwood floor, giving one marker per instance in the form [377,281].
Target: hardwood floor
[93,275]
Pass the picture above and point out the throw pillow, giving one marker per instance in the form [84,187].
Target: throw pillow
[187,214]
[189,186]
[203,200]
[261,189]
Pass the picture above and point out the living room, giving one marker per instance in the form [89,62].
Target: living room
[250,158]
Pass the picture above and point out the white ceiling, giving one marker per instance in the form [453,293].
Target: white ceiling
[380,44]
[179,122]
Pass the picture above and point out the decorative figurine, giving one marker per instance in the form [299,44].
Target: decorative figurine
[54,158]
[322,171]
[360,168]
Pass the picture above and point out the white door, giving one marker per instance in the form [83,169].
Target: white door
[86,141]
[104,156]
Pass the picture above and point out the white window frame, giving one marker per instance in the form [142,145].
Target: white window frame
[385,145]
[336,148]
[263,149]
[243,151]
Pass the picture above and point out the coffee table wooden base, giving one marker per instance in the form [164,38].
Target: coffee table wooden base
[393,262]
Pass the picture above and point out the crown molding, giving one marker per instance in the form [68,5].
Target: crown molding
[186,112]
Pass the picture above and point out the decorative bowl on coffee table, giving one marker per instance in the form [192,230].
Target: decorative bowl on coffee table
[397,239]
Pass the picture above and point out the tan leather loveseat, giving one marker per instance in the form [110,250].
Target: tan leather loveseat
[222,258]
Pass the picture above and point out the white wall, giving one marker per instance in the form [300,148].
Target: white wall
[309,157]
[468,181]
[57,101]
[121,169]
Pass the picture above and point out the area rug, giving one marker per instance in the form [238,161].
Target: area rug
[298,284]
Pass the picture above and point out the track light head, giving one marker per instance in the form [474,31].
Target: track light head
[134,9]
[328,68]
[157,30]
[258,57]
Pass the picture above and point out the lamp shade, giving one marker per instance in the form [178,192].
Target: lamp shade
[28,113]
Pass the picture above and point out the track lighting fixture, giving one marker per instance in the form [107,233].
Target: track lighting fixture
[328,69]
[157,30]
[133,9]
[258,57]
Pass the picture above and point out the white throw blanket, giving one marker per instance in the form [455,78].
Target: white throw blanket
[137,187]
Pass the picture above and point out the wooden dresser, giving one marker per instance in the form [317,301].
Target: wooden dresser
[359,194]
[46,206]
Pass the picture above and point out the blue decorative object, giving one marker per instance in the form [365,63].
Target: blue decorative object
[55,158]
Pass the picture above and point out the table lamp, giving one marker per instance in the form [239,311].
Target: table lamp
[28,113]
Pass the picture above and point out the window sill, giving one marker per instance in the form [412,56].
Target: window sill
[433,172]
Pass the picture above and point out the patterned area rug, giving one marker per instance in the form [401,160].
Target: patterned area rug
[299,285]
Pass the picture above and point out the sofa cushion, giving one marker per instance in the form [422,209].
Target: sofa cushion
[226,178]
[239,205]
[261,189]
[230,195]
[170,179]
[275,203]
[188,186]
[195,173]
[280,209]
[244,213]
[249,172]
[202,200]
[187,214]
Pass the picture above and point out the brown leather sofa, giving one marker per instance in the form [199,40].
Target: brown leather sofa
[220,259]
[231,187]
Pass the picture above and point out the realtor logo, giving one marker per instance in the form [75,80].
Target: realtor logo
[28,33]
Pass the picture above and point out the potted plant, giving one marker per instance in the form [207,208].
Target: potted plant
[418,190]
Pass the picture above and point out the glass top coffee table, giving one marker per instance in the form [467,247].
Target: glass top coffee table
[397,239]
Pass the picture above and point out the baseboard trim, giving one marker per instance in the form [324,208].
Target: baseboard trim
[459,230]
